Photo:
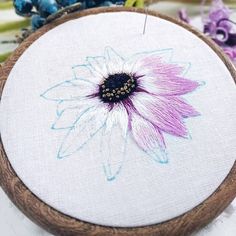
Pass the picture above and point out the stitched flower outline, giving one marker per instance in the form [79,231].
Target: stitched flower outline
[141,96]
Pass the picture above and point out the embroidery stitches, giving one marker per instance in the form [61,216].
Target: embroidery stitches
[140,95]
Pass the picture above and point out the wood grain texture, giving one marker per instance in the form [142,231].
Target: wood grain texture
[63,225]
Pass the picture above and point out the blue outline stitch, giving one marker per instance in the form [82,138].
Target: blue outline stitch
[108,54]
[107,170]
[68,133]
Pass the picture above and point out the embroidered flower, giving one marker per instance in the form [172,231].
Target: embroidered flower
[116,97]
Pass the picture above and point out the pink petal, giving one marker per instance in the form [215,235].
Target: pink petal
[181,106]
[162,78]
[148,138]
[134,63]
[160,113]
[167,85]
[156,65]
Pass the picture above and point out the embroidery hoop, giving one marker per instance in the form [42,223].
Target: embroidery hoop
[61,224]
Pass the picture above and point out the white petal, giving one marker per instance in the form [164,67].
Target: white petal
[148,138]
[69,112]
[68,117]
[133,64]
[89,102]
[84,129]
[70,90]
[114,61]
[86,72]
[112,150]
[118,116]
[98,65]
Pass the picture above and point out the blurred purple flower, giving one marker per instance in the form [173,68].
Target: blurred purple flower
[217,25]
[218,16]
[231,53]
[183,15]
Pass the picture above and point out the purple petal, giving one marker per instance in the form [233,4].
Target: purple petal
[181,106]
[164,79]
[148,137]
[160,113]
[134,63]
[230,52]
[167,85]
[219,11]
[156,65]
[183,15]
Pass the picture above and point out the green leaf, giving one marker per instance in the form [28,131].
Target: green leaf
[4,56]
[134,3]
[6,5]
[14,25]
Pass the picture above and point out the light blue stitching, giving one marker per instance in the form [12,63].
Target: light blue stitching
[107,55]
[107,171]
[82,145]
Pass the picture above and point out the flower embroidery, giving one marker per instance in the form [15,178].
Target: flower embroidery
[114,97]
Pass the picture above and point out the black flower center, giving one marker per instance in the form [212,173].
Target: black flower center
[117,87]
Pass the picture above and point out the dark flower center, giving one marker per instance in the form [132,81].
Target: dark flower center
[117,87]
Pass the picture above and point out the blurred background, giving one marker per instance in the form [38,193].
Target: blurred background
[11,23]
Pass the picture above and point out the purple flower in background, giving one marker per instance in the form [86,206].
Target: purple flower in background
[218,12]
[231,53]
[218,16]
[217,25]
[139,97]
[183,15]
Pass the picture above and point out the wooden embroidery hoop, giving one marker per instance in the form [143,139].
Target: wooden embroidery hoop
[61,224]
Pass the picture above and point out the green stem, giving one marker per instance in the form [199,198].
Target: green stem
[15,25]
[6,5]
[4,56]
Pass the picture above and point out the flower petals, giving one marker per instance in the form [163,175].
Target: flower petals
[86,72]
[98,65]
[70,90]
[160,113]
[78,104]
[118,116]
[181,106]
[83,130]
[112,150]
[69,111]
[134,63]
[113,138]
[164,85]
[68,117]
[114,61]
[149,138]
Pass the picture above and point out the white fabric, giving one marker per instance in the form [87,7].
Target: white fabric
[145,191]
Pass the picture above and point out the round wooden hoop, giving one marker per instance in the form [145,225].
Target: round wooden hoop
[61,224]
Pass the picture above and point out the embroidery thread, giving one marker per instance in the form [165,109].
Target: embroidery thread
[141,96]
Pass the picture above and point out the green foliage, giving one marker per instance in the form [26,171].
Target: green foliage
[14,25]
[6,5]
[4,56]
[134,3]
